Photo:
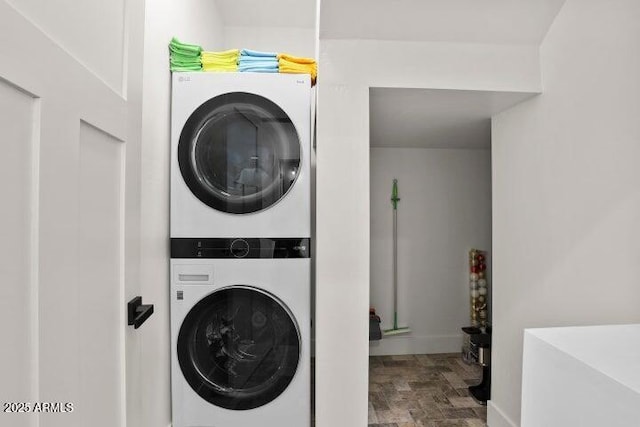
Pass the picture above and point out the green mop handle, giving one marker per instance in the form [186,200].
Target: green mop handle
[394,201]
[394,195]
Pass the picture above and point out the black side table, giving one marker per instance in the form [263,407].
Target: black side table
[481,349]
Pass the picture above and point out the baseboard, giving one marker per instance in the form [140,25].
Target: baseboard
[409,344]
[497,418]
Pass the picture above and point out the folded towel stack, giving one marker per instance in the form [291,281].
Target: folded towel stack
[184,57]
[220,61]
[257,62]
[298,65]
[190,57]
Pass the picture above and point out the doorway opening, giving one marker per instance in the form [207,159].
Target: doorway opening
[430,201]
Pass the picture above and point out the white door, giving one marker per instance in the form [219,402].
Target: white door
[70,114]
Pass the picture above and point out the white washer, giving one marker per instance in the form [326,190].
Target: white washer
[240,155]
[240,333]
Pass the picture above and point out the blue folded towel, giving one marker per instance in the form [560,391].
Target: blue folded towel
[242,66]
[249,52]
[257,69]
[261,64]
[257,59]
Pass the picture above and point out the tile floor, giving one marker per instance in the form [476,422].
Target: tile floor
[423,391]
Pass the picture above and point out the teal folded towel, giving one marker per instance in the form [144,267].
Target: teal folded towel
[257,69]
[264,64]
[249,59]
[249,52]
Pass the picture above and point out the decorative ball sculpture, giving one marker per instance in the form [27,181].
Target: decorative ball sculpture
[478,288]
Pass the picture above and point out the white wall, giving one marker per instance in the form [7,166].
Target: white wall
[444,210]
[95,35]
[296,41]
[567,190]
[429,65]
[348,68]
[194,21]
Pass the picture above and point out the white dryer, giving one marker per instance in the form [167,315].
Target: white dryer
[240,155]
[240,333]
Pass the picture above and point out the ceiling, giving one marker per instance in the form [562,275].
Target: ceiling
[471,21]
[435,118]
[268,13]
[466,21]
[415,117]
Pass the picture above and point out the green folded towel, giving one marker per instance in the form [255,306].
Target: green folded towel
[184,56]
[185,63]
[184,48]
[185,68]
[191,65]
[195,59]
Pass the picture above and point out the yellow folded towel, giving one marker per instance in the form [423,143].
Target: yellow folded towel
[296,59]
[219,61]
[289,67]
[226,60]
[227,55]
[298,65]
[219,67]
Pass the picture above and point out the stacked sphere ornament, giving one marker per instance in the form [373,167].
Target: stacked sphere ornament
[478,287]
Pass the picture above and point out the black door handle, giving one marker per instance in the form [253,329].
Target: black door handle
[137,312]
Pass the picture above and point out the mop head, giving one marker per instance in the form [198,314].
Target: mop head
[396,331]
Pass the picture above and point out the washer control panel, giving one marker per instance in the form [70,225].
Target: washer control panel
[240,248]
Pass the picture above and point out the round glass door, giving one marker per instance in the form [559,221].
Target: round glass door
[239,153]
[239,347]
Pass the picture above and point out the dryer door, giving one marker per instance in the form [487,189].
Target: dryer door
[239,153]
[239,347]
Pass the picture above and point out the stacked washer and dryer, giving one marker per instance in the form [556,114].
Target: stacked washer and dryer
[240,249]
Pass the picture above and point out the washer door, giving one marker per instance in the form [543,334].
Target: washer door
[239,153]
[239,347]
